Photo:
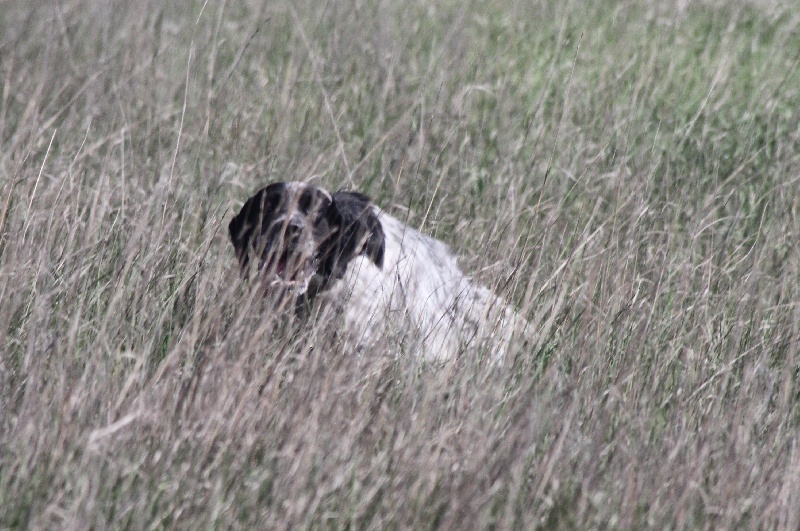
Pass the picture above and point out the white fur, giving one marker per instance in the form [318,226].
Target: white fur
[422,287]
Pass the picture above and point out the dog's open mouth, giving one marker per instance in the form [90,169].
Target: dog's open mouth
[287,272]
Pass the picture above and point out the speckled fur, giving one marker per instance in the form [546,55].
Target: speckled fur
[421,287]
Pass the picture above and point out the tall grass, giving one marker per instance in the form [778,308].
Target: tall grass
[625,173]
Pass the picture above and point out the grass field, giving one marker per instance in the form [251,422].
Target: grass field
[626,174]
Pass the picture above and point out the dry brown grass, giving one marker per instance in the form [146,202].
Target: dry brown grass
[626,174]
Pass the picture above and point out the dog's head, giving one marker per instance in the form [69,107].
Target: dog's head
[302,236]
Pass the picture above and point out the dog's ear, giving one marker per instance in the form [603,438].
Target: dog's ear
[240,232]
[358,231]
[251,221]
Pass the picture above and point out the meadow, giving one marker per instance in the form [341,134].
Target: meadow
[625,174]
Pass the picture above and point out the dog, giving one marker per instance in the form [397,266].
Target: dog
[341,251]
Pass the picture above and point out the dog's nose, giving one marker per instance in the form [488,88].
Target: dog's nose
[287,225]
[293,228]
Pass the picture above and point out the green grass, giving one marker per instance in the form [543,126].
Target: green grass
[625,172]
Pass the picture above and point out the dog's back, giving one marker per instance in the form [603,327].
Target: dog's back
[420,286]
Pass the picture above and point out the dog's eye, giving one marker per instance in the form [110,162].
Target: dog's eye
[304,203]
[309,202]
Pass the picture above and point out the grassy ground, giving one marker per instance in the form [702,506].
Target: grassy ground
[626,173]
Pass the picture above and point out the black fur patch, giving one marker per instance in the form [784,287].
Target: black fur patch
[358,232]
[253,220]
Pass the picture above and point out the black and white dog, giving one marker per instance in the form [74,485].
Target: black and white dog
[342,250]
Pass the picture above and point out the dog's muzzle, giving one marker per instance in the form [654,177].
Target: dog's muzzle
[288,262]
